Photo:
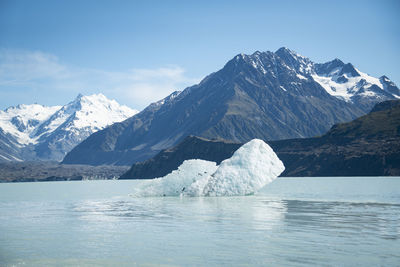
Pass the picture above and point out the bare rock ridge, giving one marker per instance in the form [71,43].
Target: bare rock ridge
[266,95]
[369,146]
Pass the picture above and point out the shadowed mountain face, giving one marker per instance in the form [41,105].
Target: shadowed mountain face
[270,96]
[369,145]
[191,147]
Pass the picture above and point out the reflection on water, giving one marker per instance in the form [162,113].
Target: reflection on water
[255,211]
[244,209]
[323,231]
[259,214]
[270,229]
[345,218]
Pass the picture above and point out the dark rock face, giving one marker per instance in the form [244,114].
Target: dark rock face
[350,70]
[389,86]
[386,105]
[367,146]
[365,157]
[328,67]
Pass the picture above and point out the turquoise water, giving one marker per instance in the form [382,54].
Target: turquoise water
[291,222]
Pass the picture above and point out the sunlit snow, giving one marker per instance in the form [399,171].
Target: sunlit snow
[22,120]
[27,123]
[251,167]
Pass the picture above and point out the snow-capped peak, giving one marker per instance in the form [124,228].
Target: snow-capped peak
[97,111]
[93,112]
[287,52]
[339,79]
[20,121]
[36,124]
[348,83]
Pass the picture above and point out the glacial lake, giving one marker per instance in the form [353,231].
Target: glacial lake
[337,221]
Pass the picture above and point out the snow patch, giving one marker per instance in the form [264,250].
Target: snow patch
[352,86]
[301,77]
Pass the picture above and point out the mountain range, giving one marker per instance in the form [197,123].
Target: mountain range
[266,95]
[367,146]
[37,132]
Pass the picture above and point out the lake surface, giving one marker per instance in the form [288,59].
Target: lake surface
[291,222]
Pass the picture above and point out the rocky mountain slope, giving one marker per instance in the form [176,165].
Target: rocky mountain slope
[36,132]
[369,146]
[269,95]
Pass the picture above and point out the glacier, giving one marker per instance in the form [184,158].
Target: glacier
[251,167]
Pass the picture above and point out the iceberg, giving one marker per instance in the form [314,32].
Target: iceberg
[251,167]
[175,183]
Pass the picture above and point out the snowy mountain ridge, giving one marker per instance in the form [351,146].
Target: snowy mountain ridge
[341,80]
[22,120]
[50,132]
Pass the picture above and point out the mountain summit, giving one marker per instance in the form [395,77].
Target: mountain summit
[31,132]
[266,95]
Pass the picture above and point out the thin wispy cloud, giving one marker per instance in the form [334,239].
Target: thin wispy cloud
[44,78]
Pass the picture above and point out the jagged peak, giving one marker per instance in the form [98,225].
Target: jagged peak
[385,79]
[337,60]
[284,51]
[239,56]
[349,69]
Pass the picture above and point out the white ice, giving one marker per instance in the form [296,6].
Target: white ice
[175,183]
[251,167]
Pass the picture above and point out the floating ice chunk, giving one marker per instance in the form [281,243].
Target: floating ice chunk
[175,183]
[251,167]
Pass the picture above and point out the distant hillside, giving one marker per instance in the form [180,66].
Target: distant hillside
[367,146]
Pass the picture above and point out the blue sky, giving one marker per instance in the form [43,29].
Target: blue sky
[139,51]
